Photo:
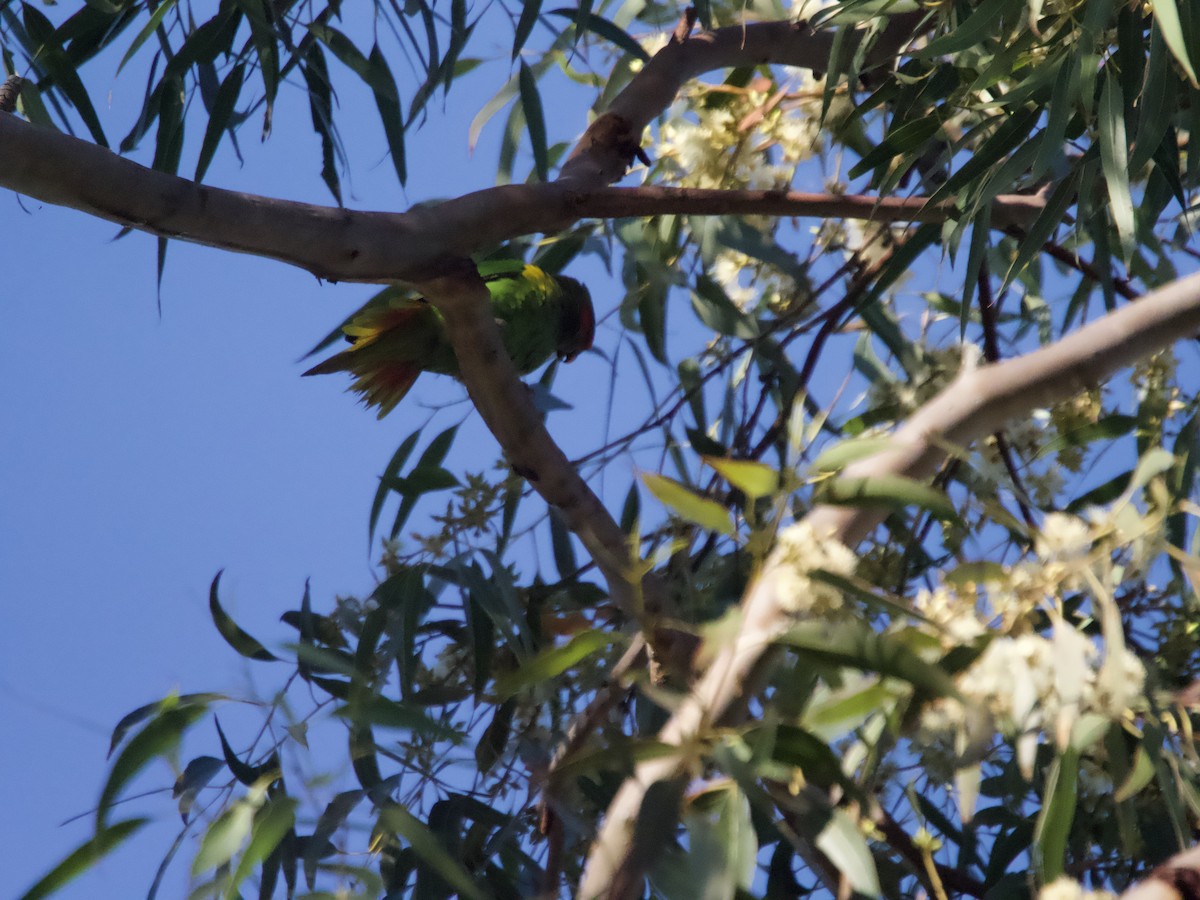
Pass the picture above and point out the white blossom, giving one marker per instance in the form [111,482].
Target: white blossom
[803,552]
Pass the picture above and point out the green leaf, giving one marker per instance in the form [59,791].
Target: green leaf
[1141,773]
[320,104]
[387,100]
[549,664]
[224,837]
[723,847]
[612,33]
[1011,133]
[1054,822]
[397,819]
[972,30]
[906,138]
[489,109]
[530,9]
[692,507]
[560,544]
[50,56]
[1152,464]
[495,737]
[1166,14]
[399,458]
[155,20]
[1114,161]
[142,713]
[841,454]
[855,645]
[1039,232]
[754,479]
[332,818]
[843,842]
[160,737]
[531,106]
[220,117]
[886,491]
[719,313]
[239,640]
[84,857]
[271,824]
[244,772]
[425,476]
[194,778]
[384,713]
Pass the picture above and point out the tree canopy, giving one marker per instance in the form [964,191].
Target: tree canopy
[899,598]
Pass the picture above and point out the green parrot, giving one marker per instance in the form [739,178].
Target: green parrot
[540,316]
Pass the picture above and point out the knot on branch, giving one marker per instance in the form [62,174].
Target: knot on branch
[611,143]
[9,91]
[1185,882]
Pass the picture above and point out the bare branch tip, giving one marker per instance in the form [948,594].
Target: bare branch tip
[684,28]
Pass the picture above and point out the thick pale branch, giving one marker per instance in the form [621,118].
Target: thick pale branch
[977,403]
[1176,879]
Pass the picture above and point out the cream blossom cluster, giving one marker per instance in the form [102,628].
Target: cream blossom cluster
[753,138]
[1027,684]
[1066,888]
[802,552]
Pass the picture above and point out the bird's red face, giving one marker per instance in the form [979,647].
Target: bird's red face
[579,320]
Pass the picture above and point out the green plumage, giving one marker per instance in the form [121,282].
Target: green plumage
[540,316]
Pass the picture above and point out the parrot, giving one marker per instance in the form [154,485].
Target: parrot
[391,343]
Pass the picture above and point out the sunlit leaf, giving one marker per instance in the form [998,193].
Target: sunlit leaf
[843,842]
[753,479]
[688,504]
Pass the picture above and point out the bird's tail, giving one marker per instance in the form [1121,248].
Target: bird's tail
[381,380]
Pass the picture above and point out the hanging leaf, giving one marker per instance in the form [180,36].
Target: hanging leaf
[689,505]
[239,640]
[751,478]
[531,106]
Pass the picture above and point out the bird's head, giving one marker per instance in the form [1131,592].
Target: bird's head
[577,326]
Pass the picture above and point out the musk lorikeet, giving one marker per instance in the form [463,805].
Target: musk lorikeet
[392,342]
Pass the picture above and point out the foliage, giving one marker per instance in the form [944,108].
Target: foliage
[990,694]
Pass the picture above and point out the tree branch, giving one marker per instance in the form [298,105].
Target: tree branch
[1176,879]
[506,406]
[375,247]
[978,402]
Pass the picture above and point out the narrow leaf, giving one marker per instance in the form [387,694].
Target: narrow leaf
[1166,13]
[689,505]
[535,122]
[239,640]
[1114,160]
[84,857]
[754,479]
